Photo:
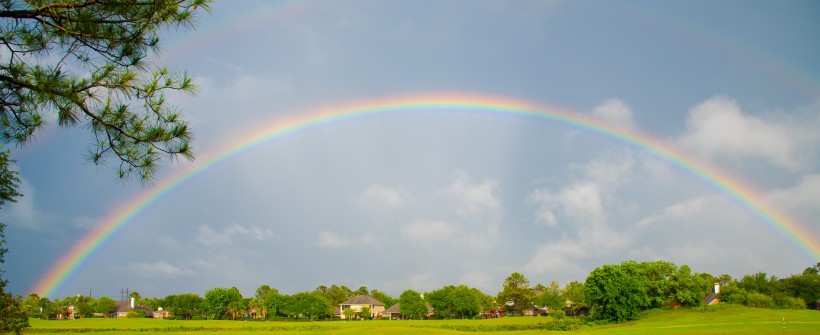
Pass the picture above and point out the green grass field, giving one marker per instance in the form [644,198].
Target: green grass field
[725,320]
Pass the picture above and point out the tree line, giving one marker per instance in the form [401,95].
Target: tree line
[613,292]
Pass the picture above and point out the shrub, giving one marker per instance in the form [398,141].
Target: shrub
[759,300]
[787,302]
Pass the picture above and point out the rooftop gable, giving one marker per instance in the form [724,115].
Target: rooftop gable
[363,300]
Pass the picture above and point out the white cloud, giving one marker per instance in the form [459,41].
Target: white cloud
[84,222]
[801,196]
[328,239]
[616,112]
[380,197]
[473,200]
[718,129]
[26,213]
[675,211]
[427,232]
[579,208]
[419,282]
[582,201]
[477,208]
[480,280]
[158,269]
[254,232]
[210,237]
[331,240]
[169,243]
[558,257]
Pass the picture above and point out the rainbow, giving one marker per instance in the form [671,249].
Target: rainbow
[742,193]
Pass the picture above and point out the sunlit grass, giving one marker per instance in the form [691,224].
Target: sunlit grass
[724,320]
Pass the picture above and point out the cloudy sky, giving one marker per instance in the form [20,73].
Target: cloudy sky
[420,200]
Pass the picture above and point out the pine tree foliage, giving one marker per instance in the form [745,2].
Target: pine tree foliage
[87,61]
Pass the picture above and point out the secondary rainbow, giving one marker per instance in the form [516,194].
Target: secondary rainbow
[787,228]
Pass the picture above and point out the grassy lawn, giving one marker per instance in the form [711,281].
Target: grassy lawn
[725,320]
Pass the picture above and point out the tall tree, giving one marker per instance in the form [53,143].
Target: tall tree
[516,293]
[87,61]
[104,305]
[269,299]
[551,296]
[385,298]
[14,318]
[361,291]
[614,294]
[220,301]
[454,302]
[412,305]
[184,306]
[805,286]
[366,313]
[306,304]
[574,293]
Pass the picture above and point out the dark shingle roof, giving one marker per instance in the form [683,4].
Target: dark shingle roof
[392,309]
[363,300]
[125,306]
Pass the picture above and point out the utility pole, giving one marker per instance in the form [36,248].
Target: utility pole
[124,294]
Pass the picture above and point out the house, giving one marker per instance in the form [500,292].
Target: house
[394,312]
[161,314]
[492,313]
[67,313]
[573,309]
[123,307]
[712,298]
[356,303]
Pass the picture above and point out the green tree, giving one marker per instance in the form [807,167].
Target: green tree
[385,298]
[614,294]
[309,305]
[365,313]
[8,193]
[551,297]
[219,300]
[270,300]
[454,302]
[335,294]
[184,306]
[484,300]
[31,305]
[412,305]
[14,318]
[761,283]
[574,293]
[87,61]
[361,291]
[516,294]
[687,288]
[659,287]
[104,305]
[349,314]
[805,286]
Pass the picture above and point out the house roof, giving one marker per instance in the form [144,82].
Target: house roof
[363,300]
[709,299]
[125,306]
[392,309]
[396,309]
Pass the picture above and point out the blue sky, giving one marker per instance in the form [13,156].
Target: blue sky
[420,200]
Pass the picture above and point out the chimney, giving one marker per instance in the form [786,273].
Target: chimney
[717,288]
[132,302]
